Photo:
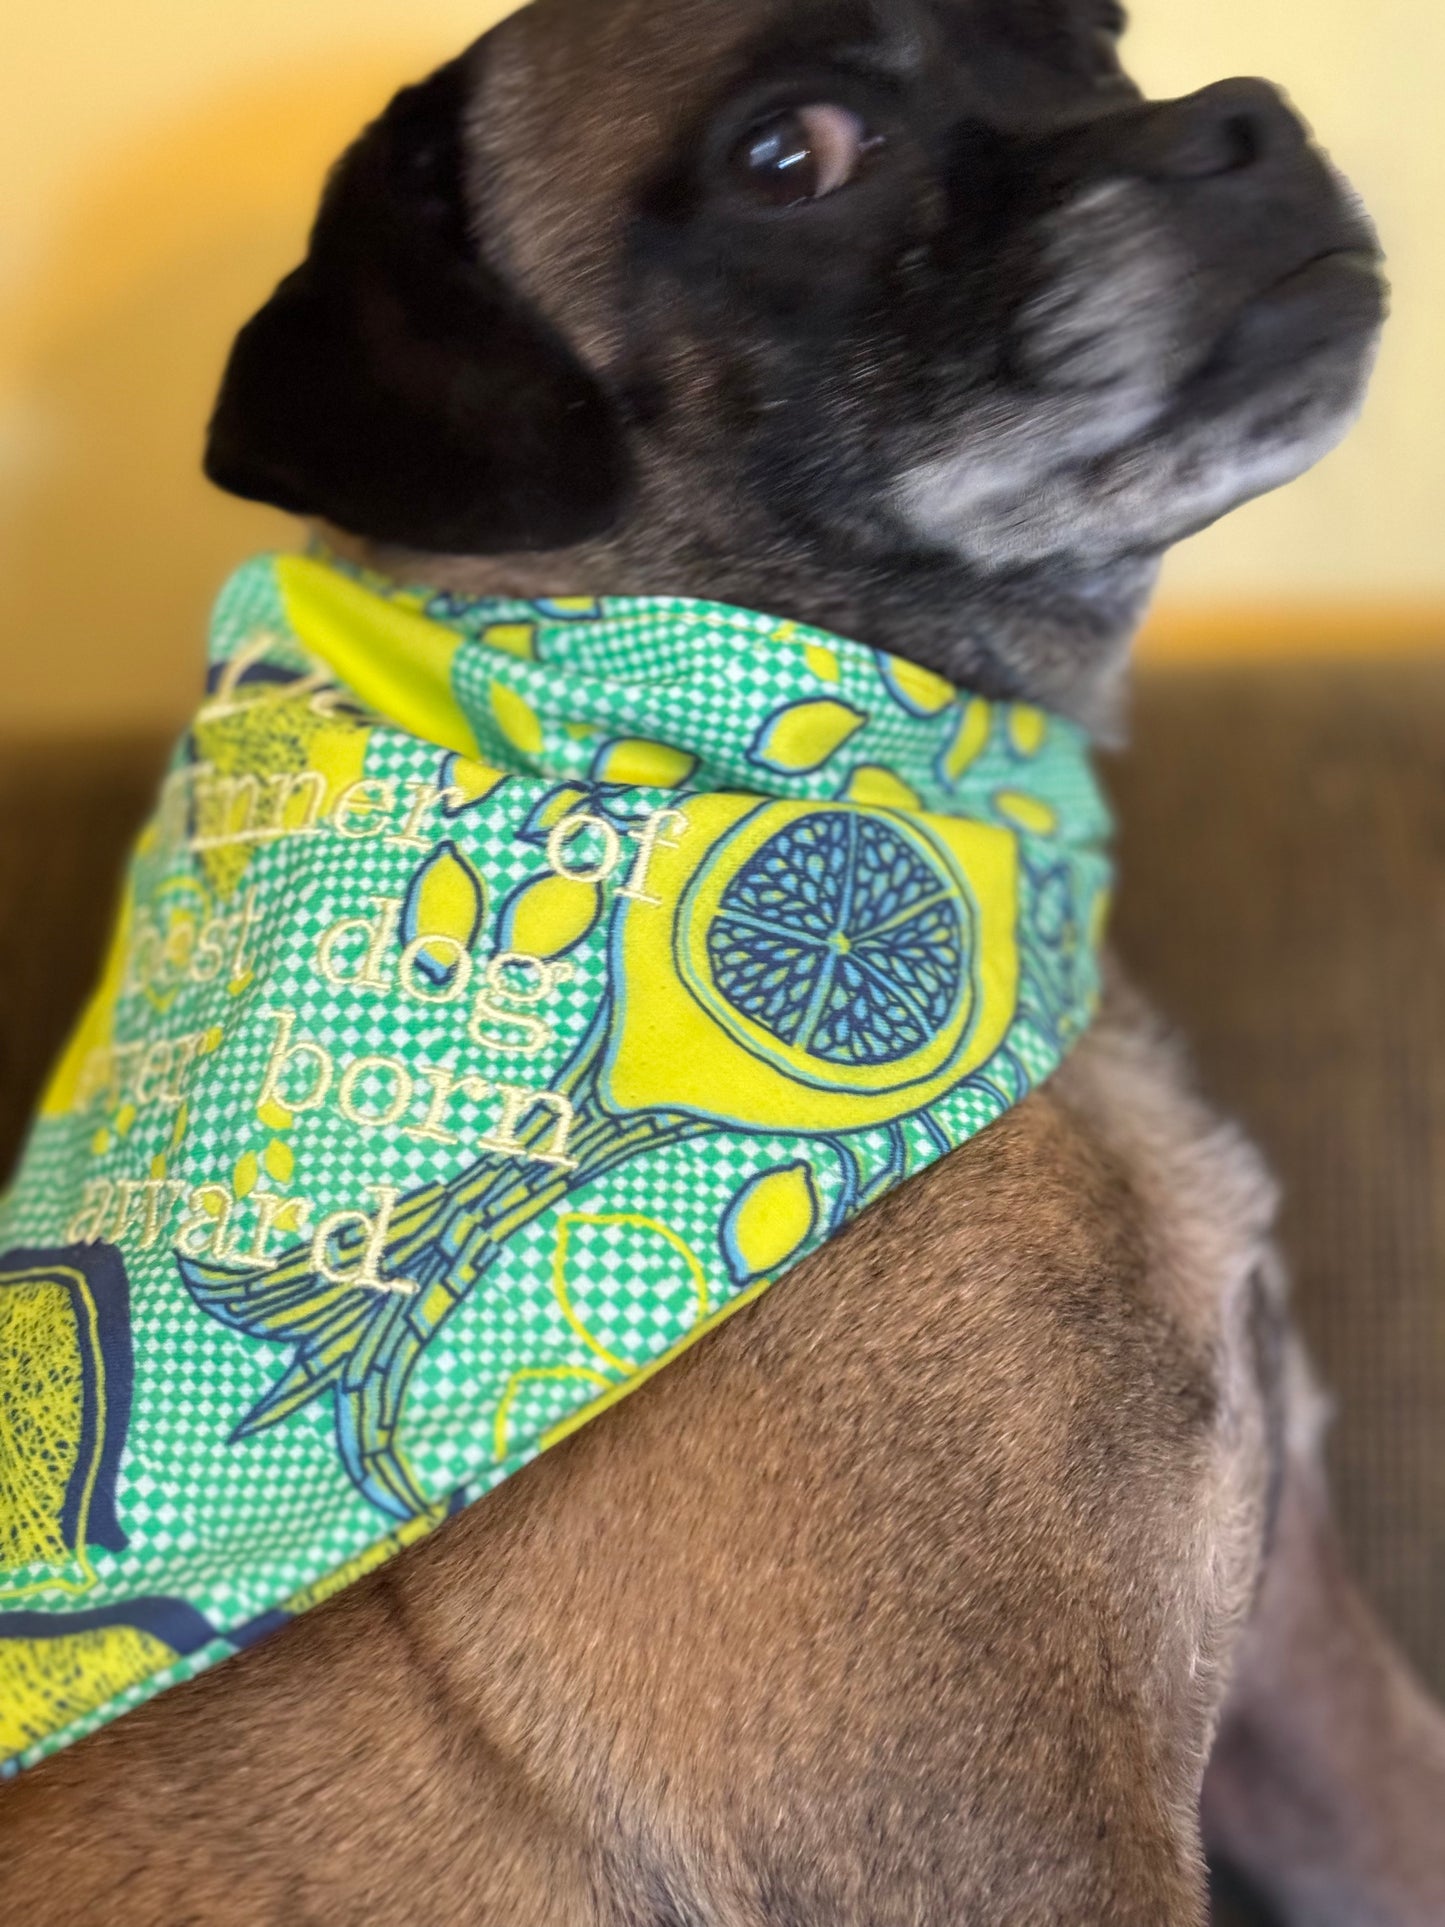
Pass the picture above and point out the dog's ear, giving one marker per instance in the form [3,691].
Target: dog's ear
[395,386]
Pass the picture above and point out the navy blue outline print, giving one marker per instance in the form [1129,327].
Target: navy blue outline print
[103,1270]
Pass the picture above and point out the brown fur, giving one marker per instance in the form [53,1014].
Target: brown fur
[905,1598]
[911,1597]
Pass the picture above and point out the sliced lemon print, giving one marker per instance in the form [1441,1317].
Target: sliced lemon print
[1028,729]
[770,1219]
[47,1683]
[645,765]
[549,916]
[56,1668]
[824,970]
[65,1394]
[805,735]
[446,904]
[1026,812]
[871,783]
[970,738]
[517,720]
[918,690]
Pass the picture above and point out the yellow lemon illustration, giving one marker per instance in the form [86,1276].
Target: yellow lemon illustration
[970,738]
[473,782]
[1028,728]
[549,916]
[398,662]
[823,662]
[770,1219]
[516,719]
[47,1683]
[1027,812]
[65,1391]
[919,691]
[271,764]
[280,1161]
[647,765]
[58,1667]
[571,608]
[871,783]
[46,1353]
[803,736]
[445,905]
[825,968]
[556,807]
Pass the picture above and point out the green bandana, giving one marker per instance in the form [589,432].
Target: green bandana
[504,993]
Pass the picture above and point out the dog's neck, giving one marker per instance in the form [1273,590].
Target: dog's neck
[1058,638]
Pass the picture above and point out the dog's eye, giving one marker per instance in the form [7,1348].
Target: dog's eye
[802,154]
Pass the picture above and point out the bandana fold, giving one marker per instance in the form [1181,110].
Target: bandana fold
[503,994]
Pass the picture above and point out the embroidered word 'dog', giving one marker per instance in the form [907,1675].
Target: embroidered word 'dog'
[361,953]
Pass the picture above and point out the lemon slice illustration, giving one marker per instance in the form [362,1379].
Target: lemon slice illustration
[829,967]
[59,1667]
[65,1393]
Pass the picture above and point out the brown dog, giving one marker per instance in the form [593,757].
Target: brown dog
[914,1595]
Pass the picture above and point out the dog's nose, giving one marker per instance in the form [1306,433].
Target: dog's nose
[1223,129]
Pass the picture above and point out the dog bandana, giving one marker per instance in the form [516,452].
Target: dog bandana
[503,994]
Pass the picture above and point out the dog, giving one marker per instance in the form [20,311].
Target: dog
[911,319]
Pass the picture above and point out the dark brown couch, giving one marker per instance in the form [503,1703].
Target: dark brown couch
[1284,899]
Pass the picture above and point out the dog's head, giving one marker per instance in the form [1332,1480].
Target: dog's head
[908,316]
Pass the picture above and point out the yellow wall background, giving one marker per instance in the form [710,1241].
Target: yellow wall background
[159,163]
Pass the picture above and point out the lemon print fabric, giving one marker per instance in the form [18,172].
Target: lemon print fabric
[804,736]
[55,1672]
[771,1219]
[66,1378]
[823,970]
[506,993]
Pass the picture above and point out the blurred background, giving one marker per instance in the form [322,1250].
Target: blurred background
[159,164]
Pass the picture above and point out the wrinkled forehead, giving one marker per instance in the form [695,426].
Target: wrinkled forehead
[658,59]
[579,99]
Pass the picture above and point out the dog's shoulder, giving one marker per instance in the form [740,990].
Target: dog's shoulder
[953,1518]
[943,1522]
